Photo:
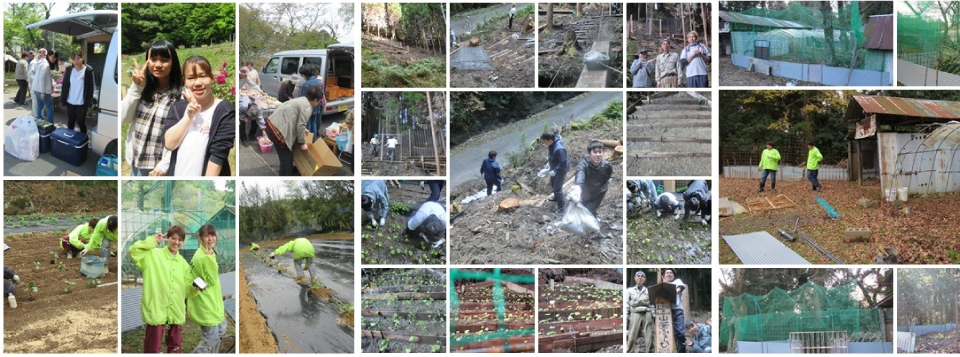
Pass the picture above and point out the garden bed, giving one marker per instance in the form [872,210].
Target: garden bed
[476,326]
[578,317]
[404,310]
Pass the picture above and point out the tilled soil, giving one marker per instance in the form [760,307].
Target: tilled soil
[731,75]
[389,244]
[422,316]
[512,62]
[255,336]
[55,321]
[528,234]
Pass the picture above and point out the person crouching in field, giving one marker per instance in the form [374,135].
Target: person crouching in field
[166,280]
[104,233]
[206,305]
[303,254]
[73,243]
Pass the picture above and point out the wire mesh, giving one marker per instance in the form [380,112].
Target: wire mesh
[499,304]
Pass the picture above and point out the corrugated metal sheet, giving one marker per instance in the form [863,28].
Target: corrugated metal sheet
[759,21]
[879,33]
[916,108]
[912,74]
[761,248]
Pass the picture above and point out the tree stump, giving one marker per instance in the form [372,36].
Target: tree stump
[474,41]
[508,204]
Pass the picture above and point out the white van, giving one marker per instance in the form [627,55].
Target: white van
[100,44]
[336,63]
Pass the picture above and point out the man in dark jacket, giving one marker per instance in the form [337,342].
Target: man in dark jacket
[593,178]
[557,165]
[490,170]
[286,88]
[697,199]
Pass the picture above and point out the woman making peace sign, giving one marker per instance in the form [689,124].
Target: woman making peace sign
[200,124]
[156,85]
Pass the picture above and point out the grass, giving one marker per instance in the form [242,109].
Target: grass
[216,54]
[132,341]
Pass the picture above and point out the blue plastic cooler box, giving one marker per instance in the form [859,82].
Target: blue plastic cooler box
[70,146]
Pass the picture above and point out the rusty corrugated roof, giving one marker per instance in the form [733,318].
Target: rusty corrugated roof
[879,33]
[760,21]
[906,107]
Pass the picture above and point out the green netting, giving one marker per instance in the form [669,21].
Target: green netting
[499,304]
[808,308]
[796,34]
[925,39]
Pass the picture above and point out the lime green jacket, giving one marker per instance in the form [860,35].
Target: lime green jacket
[81,232]
[206,307]
[301,248]
[813,159]
[99,233]
[166,281]
[770,159]
[254,246]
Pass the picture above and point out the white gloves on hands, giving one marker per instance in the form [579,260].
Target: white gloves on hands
[373,220]
[16,278]
[574,195]
[383,221]
[543,173]
[82,253]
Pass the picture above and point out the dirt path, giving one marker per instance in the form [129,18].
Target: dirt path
[461,23]
[255,336]
[467,157]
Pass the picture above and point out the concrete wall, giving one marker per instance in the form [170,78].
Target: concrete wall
[912,74]
[921,330]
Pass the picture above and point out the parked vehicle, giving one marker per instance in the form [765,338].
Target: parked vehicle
[336,63]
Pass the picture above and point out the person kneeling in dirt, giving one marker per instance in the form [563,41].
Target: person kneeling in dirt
[206,305]
[490,170]
[73,243]
[303,254]
[700,337]
[103,234]
[10,278]
[667,203]
[375,197]
[640,318]
[429,223]
[166,279]
[557,166]
[642,193]
[697,199]
[593,178]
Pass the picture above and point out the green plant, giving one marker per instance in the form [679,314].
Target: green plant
[436,348]
[60,266]
[69,286]
[383,345]
[36,265]
[400,208]
[317,284]
[31,288]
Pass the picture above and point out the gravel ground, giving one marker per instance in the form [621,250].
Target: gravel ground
[731,75]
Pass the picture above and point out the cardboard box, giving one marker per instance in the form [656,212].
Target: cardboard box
[317,161]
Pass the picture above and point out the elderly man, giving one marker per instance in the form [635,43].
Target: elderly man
[641,317]
[643,70]
[668,69]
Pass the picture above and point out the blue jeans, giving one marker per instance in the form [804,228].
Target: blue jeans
[105,251]
[773,179]
[678,330]
[812,176]
[490,184]
[210,338]
[40,104]
[556,182]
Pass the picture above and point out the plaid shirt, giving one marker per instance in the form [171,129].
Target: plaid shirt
[148,129]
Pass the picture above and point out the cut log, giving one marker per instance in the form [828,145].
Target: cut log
[508,204]
[665,139]
[610,143]
[689,124]
[474,41]
[654,154]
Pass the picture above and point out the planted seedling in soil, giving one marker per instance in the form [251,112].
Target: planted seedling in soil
[31,288]
[383,345]
[93,282]
[69,286]
[36,265]
[60,266]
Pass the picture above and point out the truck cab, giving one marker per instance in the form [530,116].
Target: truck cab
[337,73]
[100,44]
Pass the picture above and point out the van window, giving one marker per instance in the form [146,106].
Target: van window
[314,60]
[290,65]
[271,66]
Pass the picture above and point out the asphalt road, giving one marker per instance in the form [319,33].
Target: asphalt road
[46,164]
[469,21]
[465,164]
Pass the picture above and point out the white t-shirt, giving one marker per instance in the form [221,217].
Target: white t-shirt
[697,67]
[392,143]
[75,96]
[427,209]
[193,149]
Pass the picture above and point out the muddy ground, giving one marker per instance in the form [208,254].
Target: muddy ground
[528,234]
[512,61]
[925,235]
[562,69]
[664,241]
[389,244]
[381,168]
[86,317]
[59,197]
[731,75]
[302,318]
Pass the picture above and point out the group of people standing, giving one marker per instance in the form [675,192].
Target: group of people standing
[170,107]
[34,75]
[770,164]
[669,69]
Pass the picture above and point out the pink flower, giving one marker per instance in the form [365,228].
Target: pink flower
[224,65]
[221,79]
[233,90]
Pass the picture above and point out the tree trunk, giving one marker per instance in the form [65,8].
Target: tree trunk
[649,15]
[683,16]
[549,17]
[828,32]
[706,24]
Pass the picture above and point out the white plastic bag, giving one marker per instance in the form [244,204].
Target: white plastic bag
[22,139]
[332,131]
[577,219]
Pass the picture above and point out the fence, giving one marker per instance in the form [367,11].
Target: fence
[819,342]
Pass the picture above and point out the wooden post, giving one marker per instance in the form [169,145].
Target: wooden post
[683,20]
[706,25]
[433,135]
[663,327]
[685,300]
[669,185]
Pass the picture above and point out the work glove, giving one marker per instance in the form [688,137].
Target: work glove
[373,220]
[574,195]
[82,253]
[16,278]
[553,173]
[383,221]
[543,173]
[676,217]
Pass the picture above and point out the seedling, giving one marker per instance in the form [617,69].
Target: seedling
[31,289]
[436,348]
[93,282]
[383,345]
[36,265]
[60,266]
[317,284]
[70,285]
[280,268]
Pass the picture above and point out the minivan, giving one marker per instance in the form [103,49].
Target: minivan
[100,44]
[336,63]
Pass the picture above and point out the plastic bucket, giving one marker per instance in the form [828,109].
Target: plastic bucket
[902,194]
[890,194]
[266,146]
